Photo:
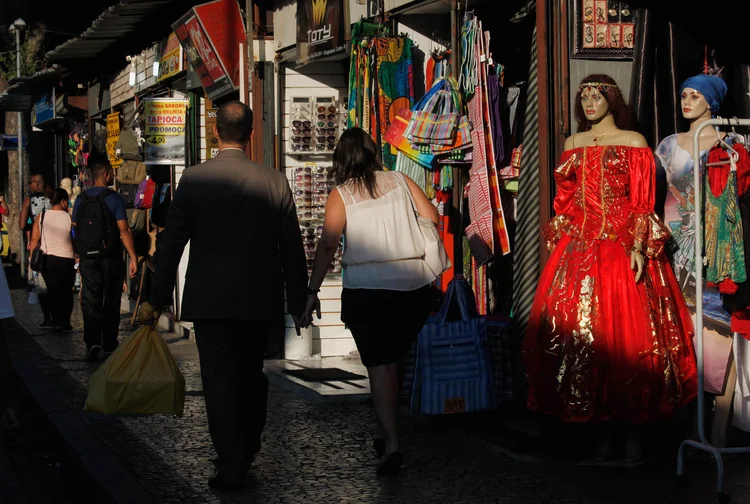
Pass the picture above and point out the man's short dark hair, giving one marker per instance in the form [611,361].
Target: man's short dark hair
[99,168]
[234,122]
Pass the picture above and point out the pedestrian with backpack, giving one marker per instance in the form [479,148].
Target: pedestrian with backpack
[101,228]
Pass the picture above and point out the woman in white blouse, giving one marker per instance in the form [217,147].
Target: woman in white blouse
[387,292]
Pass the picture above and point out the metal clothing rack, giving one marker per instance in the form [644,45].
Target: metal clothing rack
[703,443]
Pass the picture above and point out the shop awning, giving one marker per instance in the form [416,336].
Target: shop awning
[121,30]
[19,95]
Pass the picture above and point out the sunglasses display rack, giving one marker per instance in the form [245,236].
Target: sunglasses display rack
[316,124]
[301,117]
[327,121]
[312,184]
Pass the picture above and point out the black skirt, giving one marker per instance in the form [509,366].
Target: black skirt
[385,323]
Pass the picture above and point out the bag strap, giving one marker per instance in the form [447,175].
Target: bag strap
[402,180]
[459,292]
[41,228]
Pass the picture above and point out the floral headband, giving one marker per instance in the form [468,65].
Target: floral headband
[602,87]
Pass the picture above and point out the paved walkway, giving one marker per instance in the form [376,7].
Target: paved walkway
[312,453]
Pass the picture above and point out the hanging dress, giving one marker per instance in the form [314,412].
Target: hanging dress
[600,346]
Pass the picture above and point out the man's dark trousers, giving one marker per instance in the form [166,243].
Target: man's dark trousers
[235,389]
[100,300]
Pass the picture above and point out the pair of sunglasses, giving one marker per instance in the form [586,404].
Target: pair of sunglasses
[300,124]
[311,232]
[302,131]
[322,146]
[323,117]
[300,147]
[330,138]
[330,124]
[322,109]
[326,131]
[301,139]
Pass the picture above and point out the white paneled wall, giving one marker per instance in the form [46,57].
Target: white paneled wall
[330,337]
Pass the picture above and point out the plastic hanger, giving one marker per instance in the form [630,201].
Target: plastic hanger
[734,156]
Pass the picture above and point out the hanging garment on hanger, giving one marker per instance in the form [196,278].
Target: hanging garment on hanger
[395,85]
[724,243]
[494,95]
[499,226]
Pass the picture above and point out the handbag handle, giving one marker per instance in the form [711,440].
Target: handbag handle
[436,86]
[459,292]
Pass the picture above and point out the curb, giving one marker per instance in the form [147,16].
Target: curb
[115,483]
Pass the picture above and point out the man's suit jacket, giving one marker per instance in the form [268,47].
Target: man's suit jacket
[245,243]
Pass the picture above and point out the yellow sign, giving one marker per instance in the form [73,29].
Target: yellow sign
[165,130]
[170,58]
[319,11]
[113,136]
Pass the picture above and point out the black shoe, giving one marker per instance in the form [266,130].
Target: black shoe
[220,482]
[93,352]
[47,324]
[378,444]
[392,464]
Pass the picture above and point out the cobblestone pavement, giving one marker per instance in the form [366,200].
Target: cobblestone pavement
[312,453]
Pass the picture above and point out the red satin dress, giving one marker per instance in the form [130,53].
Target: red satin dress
[600,346]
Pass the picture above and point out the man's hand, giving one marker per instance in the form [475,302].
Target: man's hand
[297,325]
[147,314]
[313,305]
[133,267]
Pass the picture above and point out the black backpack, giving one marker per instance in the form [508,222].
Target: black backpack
[96,235]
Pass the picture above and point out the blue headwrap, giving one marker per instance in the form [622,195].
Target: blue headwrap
[713,89]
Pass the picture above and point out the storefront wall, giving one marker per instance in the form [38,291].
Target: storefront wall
[328,79]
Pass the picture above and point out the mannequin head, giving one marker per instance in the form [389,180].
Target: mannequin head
[598,97]
[67,184]
[701,96]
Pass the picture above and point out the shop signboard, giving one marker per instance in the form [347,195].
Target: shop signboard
[165,131]
[170,58]
[212,141]
[323,30]
[43,109]
[113,136]
[210,34]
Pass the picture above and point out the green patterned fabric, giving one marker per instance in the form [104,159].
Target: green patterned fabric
[724,244]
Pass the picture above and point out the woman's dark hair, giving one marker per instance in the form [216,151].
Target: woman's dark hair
[616,103]
[356,158]
[59,195]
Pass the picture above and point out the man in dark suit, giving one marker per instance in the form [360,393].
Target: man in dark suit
[245,244]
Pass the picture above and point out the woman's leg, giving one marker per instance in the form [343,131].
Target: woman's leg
[53,278]
[384,387]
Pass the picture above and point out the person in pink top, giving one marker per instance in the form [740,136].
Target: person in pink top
[53,227]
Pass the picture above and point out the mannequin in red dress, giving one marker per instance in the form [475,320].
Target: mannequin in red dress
[609,337]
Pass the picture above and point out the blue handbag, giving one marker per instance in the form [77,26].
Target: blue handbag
[453,370]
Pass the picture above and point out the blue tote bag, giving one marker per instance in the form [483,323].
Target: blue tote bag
[453,371]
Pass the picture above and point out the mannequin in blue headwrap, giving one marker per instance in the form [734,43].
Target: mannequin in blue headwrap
[700,99]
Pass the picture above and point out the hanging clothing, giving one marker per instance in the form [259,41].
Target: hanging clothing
[600,346]
[737,299]
[494,95]
[724,245]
